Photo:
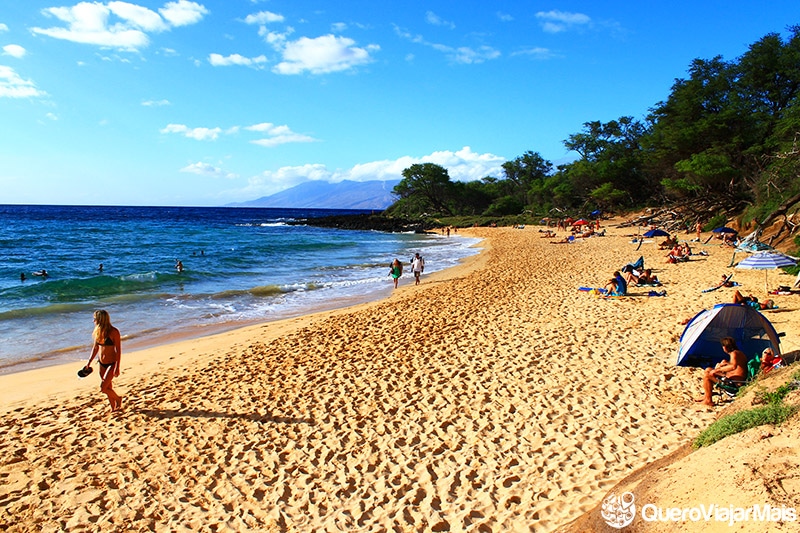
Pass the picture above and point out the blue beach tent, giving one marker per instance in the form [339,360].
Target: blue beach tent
[752,331]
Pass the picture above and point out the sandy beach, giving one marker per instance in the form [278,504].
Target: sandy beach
[495,396]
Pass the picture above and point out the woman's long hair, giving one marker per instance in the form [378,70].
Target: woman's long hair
[102,328]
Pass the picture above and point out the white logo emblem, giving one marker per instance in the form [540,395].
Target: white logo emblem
[618,511]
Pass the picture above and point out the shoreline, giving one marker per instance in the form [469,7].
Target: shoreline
[495,395]
[145,341]
[12,394]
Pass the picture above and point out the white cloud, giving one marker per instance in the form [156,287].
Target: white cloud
[433,18]
[14,50]
[13,86]
[504,17]
[156,103]
[3,27]
[138,16]
[462,165]
[467,55]
[205,169]
[183,12]
[535,52]
[218,60]
[272,135]
[263,17]
[322,55]
[463,54]
[559,21]
[119,25]
[199,134]
[276,135]
[285,138]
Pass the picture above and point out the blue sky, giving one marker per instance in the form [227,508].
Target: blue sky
[214,101]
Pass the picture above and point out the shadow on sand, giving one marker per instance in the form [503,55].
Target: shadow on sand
[202,413]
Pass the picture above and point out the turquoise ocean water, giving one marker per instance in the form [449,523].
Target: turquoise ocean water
[241,266]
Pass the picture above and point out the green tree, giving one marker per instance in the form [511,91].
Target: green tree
[427,186]
[610,154]
[701,123]
[524,173]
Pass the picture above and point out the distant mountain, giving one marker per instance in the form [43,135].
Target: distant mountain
[323,195]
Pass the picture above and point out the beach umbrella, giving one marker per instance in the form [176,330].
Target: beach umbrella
[724,229]
[656,233]
[580,222]
[766,261]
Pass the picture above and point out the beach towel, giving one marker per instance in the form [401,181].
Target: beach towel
[596,289]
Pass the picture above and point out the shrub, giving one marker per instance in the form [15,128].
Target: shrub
[774,413]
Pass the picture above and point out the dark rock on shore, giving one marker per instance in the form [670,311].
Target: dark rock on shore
[370,222]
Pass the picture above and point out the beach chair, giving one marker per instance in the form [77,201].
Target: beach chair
[637,265]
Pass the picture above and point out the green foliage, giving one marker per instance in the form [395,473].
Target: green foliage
[506,205]
[775,413]
[680,186]
[709,170]
[607,196]
[717,221]
[485,221]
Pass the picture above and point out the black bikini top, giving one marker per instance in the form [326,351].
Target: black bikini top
[107,342]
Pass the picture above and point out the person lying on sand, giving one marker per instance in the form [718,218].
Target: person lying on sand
[646,278]
[734,369]
[669,242]
[752,301]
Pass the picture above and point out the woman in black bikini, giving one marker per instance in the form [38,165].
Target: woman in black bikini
[108,347]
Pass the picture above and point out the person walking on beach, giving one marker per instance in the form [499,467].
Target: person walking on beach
[108,348]
[417,266]
[396,270]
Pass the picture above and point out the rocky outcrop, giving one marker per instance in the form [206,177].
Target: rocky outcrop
[370,222]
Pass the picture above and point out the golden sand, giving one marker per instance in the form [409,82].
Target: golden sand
[494,396]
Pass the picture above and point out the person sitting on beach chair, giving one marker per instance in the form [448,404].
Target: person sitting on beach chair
[769,360]
[636,265]
[734,370]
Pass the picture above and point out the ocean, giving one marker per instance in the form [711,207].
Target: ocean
[240,266]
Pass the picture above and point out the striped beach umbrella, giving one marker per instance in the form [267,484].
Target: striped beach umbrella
[766,261]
